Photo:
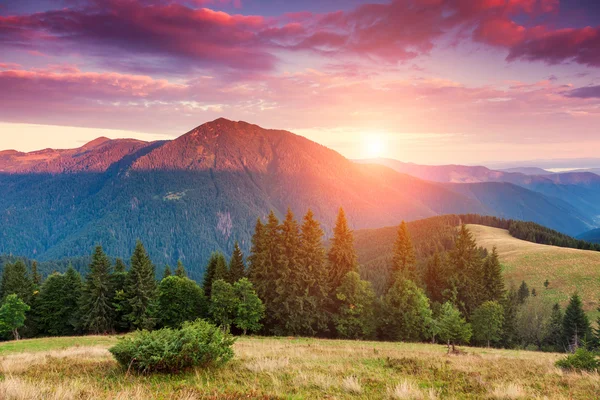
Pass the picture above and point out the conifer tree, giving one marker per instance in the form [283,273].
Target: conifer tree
[180,270]
[555,329]
[342,255]
[266,266]
[167,271]
[288,285]
[404,260]
[510,304]
[312,317]
[493,282]
[466,272]
[58,302]
[523,292]
[16,280]
[118,280]
[237,269]
[215,270]
[140,290]
[576,326]
[434,278]
[35,275]
[97,312]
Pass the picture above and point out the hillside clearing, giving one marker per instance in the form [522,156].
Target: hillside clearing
[276,368]
[567,270]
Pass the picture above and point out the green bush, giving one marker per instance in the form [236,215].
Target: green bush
[196,344]
[581,360]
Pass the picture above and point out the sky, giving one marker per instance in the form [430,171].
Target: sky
[426,81]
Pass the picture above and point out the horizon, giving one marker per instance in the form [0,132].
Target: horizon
[434,83]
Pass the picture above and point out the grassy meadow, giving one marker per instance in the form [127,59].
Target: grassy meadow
[291,368]
[567,270]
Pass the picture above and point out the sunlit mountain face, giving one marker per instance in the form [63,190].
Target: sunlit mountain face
[424,81]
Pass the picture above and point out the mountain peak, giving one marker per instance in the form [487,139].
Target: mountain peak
[96,142]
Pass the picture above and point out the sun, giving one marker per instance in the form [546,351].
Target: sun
[374,146]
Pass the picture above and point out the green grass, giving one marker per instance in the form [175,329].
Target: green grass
[47,344]
[567,270]
[291,368]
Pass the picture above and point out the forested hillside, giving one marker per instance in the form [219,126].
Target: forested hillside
[203,192]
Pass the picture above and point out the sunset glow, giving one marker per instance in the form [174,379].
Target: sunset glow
[443,81]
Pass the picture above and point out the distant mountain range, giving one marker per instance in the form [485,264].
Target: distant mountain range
[204,190]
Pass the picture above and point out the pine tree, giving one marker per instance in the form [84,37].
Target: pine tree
[493,282]
[576,326]
[288,285]
[404,260]
[453,328]
[312,317]
[237,269]
[250,309]
[266,267]
[215,270]
[140,290]
[466,272]
[16,280]
[118,279]
[180,270]
[510,304]
[97,312]
[167,271]
[434,278]
[57,305]
[120,266]
[523,292]
[342,256]
[35,275]
[555,329]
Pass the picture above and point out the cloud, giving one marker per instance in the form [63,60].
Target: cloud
[587,92]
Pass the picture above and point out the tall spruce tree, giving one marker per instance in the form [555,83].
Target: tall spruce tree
[434,279]
[16,280]
[404,259]
[265,266]
[118,279]
[523,292]
[288,287]
[312,317]
[466,272]
[140,290]
[576,326]
[35,275]
[180,270]
[493,282]
[97,313]
[57,305]
[510,304]
[167,271]
[342,255]
[555,337]
[215,270]
[237,269]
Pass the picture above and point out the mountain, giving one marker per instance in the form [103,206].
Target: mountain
[528,171]
[579,190]
[592,236]
[204,190]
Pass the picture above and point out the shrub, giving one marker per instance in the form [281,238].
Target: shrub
[581,360]
[196,344]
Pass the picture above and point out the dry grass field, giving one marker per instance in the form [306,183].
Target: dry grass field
[567,270]
[289,368]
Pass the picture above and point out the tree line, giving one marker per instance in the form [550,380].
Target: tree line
[291,285]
